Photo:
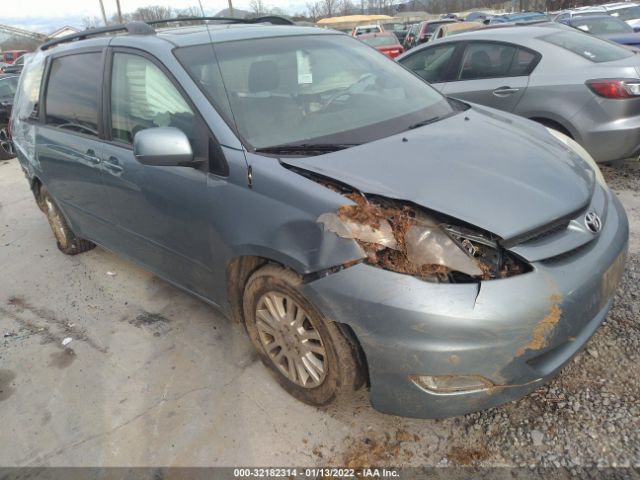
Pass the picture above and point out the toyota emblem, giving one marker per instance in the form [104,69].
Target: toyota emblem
[593,222]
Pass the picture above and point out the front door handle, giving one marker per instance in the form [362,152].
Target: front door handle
[505,91]
[113,164]
[90,157]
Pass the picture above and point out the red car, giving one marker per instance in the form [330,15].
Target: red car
[10,56]
[385,42]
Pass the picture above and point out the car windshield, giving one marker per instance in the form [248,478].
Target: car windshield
[8,86]
[311,89]
[380,40]
[602,26]
[592,48]
[626,13]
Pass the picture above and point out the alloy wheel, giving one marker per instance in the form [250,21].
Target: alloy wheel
[291,340]
[5,144]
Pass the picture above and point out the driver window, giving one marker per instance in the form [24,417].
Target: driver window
[431,63]
[143,97]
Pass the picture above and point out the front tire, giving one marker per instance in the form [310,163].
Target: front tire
[68,242]
[307,354]
[6,146]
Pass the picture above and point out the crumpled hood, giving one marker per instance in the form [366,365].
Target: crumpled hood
[493,170]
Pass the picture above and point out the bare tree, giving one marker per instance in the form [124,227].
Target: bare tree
[153,12]
[258,8]
[91,22]
[314,10]
[329,7]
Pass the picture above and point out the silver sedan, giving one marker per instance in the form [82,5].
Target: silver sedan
[583,86]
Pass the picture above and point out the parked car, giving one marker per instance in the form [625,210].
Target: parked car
[567,15]
[608,27]
[3,66]
[354,219]
[428,28]
[8,86]
[15,67]
[476,17]
[584,86]
[363,29]
[400,30]
[454,28]
[627,11]
[521,17]
[409,40]
[385,42]
[10,56]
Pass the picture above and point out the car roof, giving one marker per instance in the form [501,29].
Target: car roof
[512,32]
[579,18]
[198,34]
[618,5]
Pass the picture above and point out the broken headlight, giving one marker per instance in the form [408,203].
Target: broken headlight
[404,240]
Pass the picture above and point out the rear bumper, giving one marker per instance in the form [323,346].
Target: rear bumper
[517,332]
[616,139]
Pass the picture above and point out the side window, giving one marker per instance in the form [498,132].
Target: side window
[486,60]
[143,97]
[74,92]
[523,63]
[432,63]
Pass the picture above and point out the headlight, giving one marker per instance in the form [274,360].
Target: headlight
[404,240]
[581,152]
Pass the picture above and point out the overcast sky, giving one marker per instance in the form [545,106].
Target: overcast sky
[48,15]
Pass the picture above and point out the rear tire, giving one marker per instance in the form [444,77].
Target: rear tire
[306,353]
[68,242]
[6,146]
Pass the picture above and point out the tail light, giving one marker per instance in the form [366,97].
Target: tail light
[611,88]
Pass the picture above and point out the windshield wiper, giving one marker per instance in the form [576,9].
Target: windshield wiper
[305,148]
[424,122]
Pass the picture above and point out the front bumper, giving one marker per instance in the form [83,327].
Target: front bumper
[507,331]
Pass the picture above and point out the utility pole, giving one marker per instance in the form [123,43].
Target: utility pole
[119,11]
[104,15]
[231,8]
[201,8]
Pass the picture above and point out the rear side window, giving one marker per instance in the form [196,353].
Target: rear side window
[493,60]
[486,60]
[74,93]
[587,46]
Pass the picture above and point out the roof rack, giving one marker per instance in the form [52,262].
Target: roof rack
[136,28]
[273,19]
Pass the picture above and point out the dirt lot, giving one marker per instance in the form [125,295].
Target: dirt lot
[153,376]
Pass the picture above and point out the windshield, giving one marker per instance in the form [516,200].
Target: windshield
[602,26]
[8,86]
[627,13]
[592,48]
[316,89]
[380,40]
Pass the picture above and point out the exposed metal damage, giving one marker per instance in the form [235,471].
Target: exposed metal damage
[405,239]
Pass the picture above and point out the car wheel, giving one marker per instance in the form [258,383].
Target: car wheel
[307,354]
[68,242]
[6,146]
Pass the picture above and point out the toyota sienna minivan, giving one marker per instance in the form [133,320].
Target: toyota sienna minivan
[355,220]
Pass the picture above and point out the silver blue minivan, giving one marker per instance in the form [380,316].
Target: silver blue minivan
[356,221]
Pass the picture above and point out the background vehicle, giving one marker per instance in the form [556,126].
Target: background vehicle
[246,177]
[608,27]
[476,16]
[362,29]
[400,30]
[409,39]
[566,15]
[385,42]
[10,56]
[8,86]
[426,29]
[15,67]
[545,72]
[521,17]
[454,28]
[627,11]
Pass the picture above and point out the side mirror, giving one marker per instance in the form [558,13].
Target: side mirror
[162,147]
